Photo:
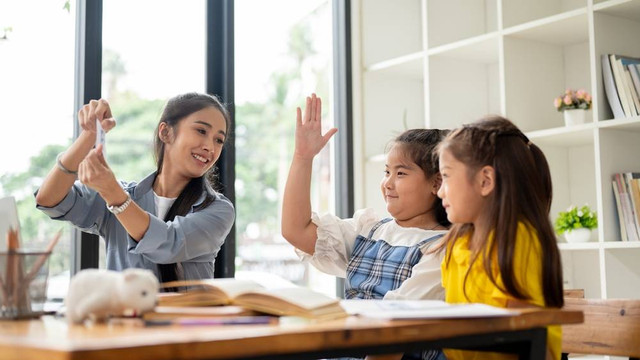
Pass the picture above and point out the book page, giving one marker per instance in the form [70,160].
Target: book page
[226,288]
[297,296]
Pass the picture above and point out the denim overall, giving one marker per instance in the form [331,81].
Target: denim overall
[376,267]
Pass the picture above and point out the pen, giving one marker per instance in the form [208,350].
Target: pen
[240,320]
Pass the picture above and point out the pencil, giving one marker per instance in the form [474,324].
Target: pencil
[41,259]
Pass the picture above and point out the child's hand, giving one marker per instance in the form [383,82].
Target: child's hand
[309,139]
[94,172]
[96,109]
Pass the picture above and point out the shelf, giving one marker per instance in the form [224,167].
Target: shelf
[621,244]
[451,21]
[518,12]
[410,66]
[390,31]
[591,245]
[567,136]
[631,124]
[594,245]
[563,29]
[482,49]
[468,59]
[629,9]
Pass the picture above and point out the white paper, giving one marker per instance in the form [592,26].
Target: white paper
[421,309]
[100,136]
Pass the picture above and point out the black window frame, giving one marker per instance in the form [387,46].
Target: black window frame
[219,81]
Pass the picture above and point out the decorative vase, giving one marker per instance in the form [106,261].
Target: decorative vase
[575,116]
[578,235]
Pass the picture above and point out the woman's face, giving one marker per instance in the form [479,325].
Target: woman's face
[195,143]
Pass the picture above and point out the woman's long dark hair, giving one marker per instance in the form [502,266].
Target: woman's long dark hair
[420,146]
[522,193]
[176,109]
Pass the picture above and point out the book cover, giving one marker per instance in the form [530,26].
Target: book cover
[635,77]
[616,195]
[623,62]
[610,88]
[634,193]
[632,90]
[248,294]
[625,201]
[620,86]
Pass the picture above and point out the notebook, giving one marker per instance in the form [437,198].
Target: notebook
[8,219]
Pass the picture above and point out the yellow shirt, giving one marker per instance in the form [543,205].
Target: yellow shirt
[527,267]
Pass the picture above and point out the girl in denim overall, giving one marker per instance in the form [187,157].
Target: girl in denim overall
[381,258]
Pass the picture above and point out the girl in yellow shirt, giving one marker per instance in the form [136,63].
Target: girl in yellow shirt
[501,250]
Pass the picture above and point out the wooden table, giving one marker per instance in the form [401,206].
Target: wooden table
[52,338]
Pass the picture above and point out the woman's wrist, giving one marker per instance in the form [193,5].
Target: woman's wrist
[119,208]
[114,196]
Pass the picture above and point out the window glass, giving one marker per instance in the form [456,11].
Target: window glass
[279,59]
[152,51]
[37,40]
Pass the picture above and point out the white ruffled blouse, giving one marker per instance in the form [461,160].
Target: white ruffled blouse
[337,237]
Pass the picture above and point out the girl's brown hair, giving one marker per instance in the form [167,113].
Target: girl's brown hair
[522,193]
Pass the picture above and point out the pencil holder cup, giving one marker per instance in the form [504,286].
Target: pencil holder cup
[23,283]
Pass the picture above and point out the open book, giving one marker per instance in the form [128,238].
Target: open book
[292,301]
[421,309]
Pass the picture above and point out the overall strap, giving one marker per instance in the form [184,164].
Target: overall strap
[430,239]
[376,226]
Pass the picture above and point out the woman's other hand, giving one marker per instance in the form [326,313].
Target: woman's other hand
[96,109]
[94,172]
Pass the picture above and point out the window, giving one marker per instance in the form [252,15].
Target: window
[138,80]
[37,92]
[151,51]
[279,59]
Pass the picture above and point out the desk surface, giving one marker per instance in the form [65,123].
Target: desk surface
[52,338]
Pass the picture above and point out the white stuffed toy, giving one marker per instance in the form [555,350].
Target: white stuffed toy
[97,294]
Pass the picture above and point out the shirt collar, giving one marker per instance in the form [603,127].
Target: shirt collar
[146,185]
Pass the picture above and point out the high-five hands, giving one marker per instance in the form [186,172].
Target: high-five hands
[309,138]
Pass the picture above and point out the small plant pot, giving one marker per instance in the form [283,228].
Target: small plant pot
[575,117]
[578,235]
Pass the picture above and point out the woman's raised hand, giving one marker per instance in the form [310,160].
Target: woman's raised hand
[309,138]
[96,109]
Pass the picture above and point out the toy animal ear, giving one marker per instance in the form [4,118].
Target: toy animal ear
[129,275]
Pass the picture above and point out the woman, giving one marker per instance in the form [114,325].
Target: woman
[171,222]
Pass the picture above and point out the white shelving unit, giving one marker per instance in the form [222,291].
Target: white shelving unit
[442,63]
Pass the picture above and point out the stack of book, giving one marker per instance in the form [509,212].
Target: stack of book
[621,76]
[626,190]
[248,295]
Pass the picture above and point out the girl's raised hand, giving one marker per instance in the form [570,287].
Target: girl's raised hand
[309,138]
[94,172]
[96,109]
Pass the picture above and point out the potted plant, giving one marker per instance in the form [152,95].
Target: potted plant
[574,104]
[576,223]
